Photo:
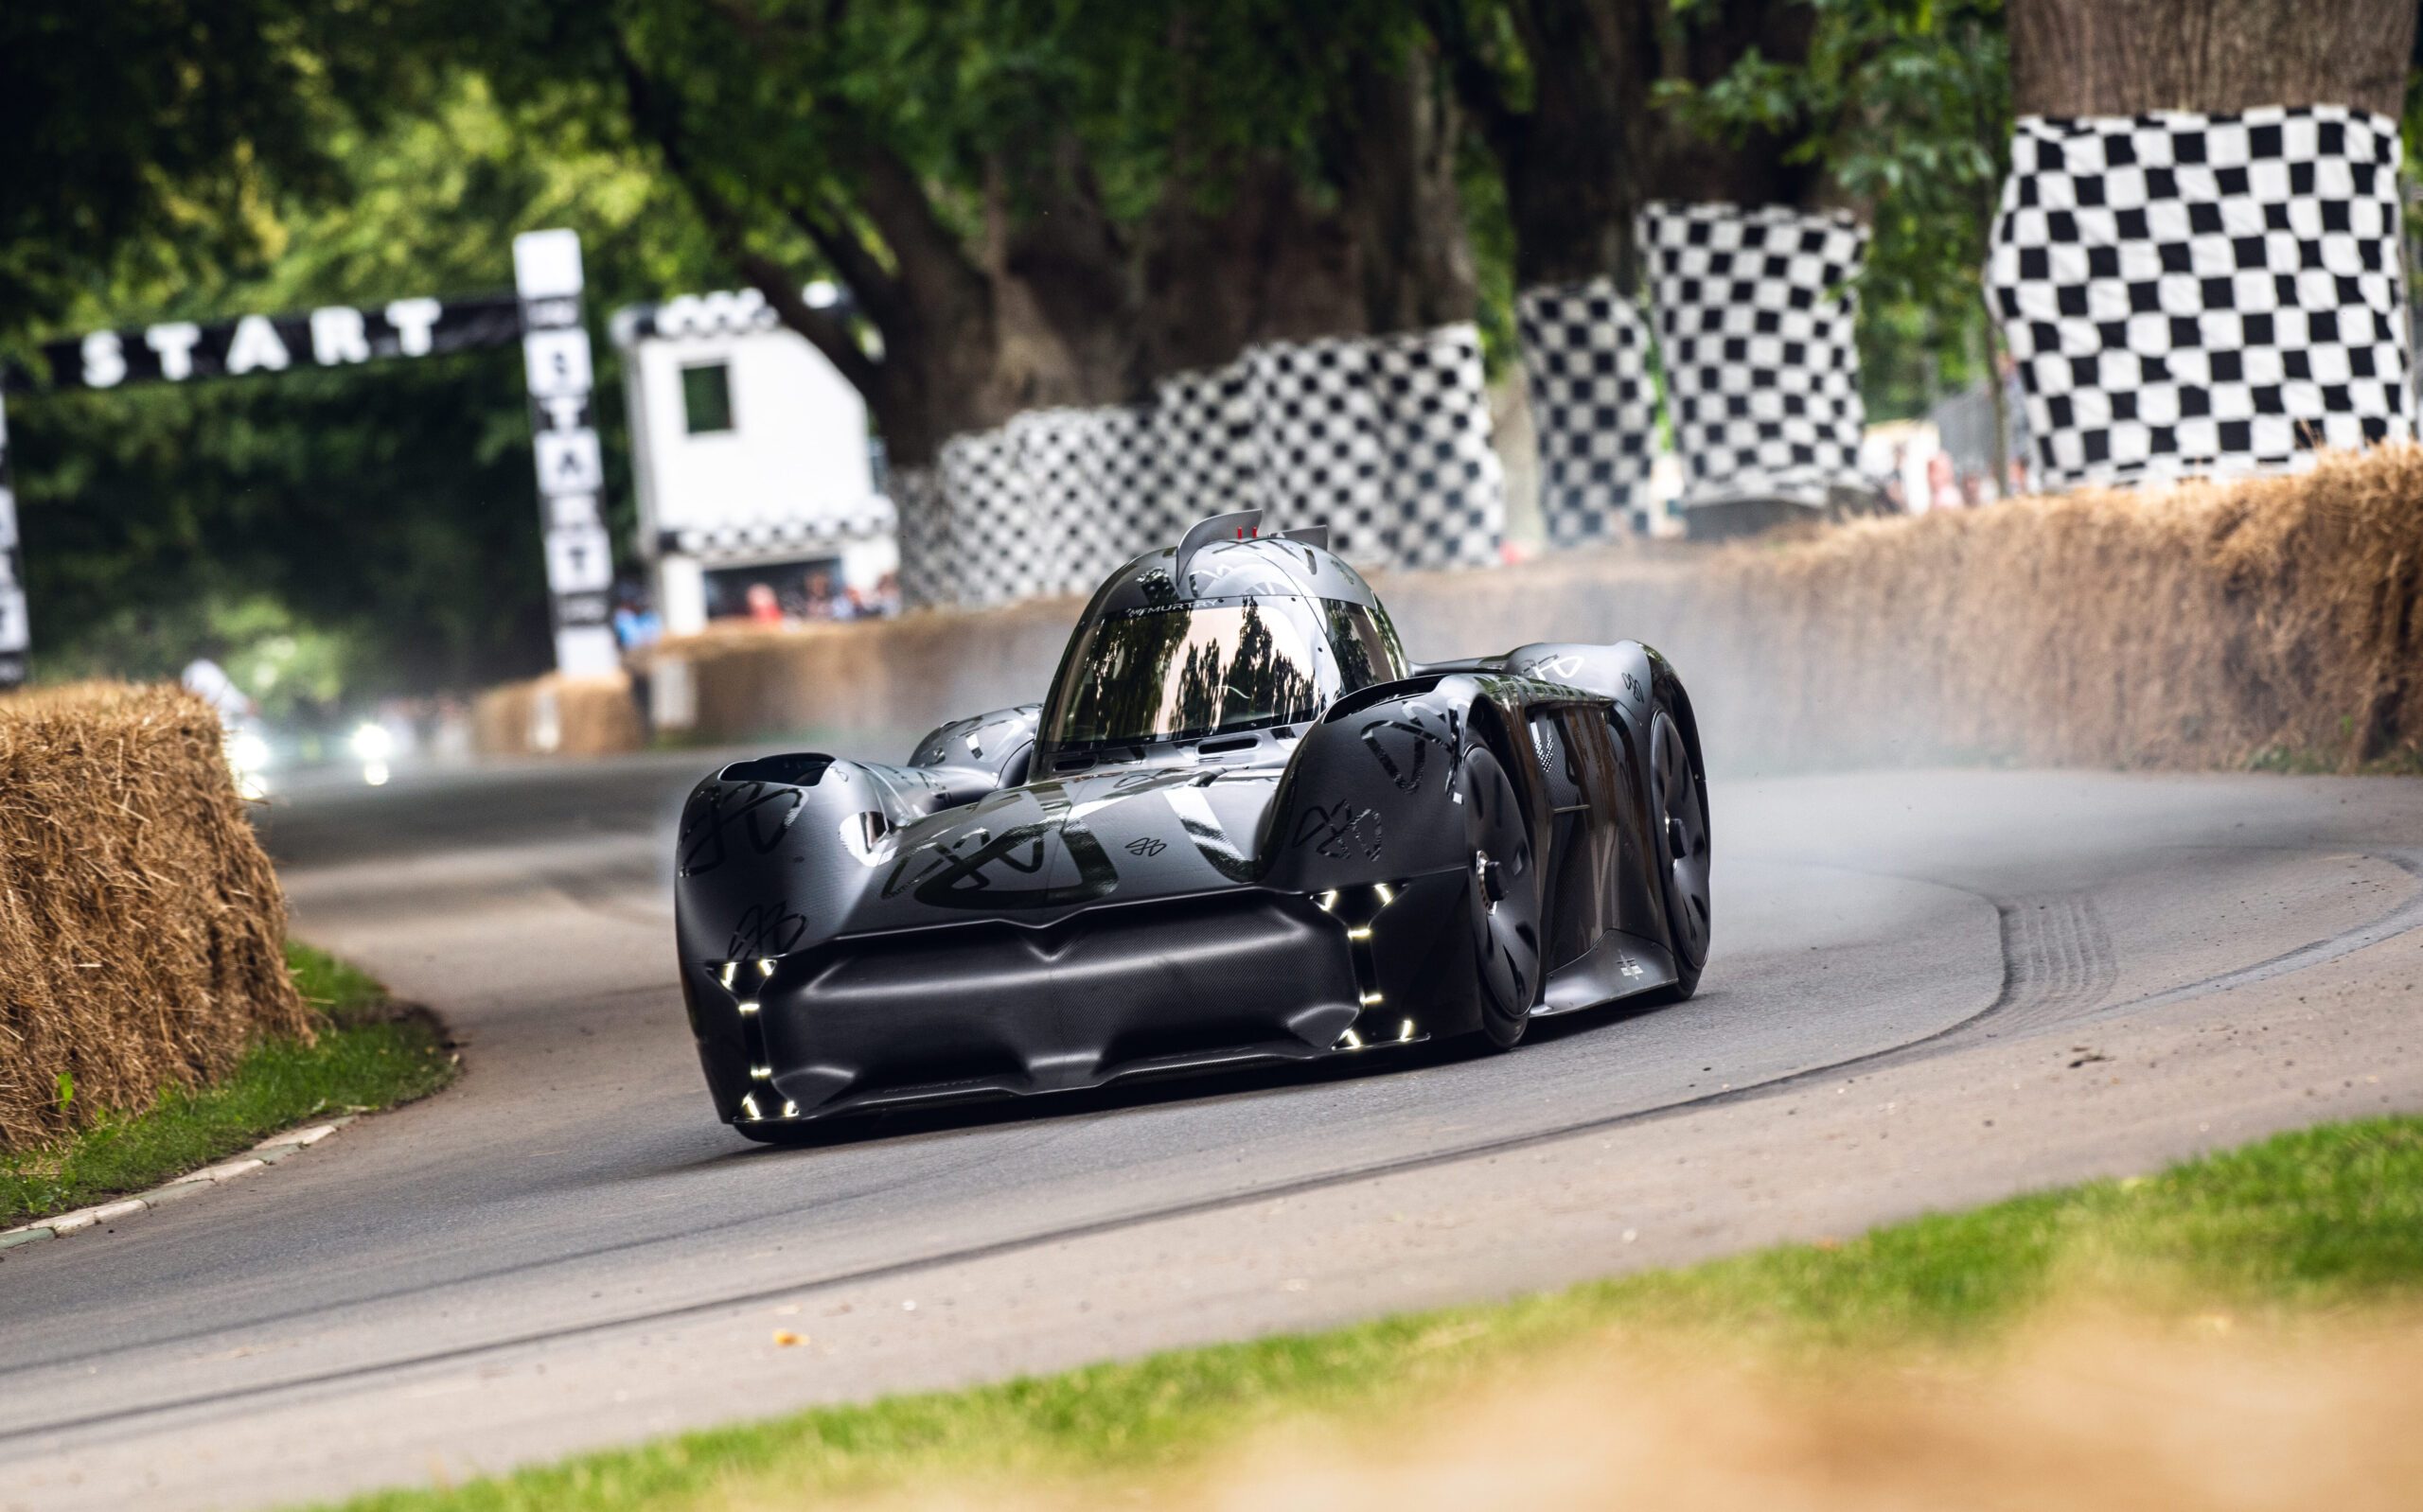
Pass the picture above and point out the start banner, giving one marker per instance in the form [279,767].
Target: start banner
[333,336]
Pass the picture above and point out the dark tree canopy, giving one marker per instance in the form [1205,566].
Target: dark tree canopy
[1033,202]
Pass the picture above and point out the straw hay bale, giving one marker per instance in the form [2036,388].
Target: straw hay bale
[141,928]
[556,716]
[2195,627]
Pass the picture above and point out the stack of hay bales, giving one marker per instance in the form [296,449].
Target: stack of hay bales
[555,715]
[2204,625]
[2200,627]
[141,927]
[883,682]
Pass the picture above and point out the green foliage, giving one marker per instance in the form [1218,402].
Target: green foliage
[2325,1218]
[364,531]
[1907,104]
[145,140]
[363,1057]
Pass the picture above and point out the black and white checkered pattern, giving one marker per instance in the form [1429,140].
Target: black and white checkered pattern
[1755,313]
[1445,491]
[1315,413]
[2189,293]
[1134,511]
[926,563]
[1001,545]
[1066,455]
[1385,440]
[749,540]
[1204,453]
[1586,358]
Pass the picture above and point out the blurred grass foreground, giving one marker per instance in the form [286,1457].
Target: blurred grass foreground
[2240,1330]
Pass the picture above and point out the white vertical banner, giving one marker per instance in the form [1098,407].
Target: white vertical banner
[571,470]
[16,635]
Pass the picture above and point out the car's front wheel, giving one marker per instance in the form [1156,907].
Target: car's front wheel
[1504,897]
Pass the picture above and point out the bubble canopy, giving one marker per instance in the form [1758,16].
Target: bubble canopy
[1183,671]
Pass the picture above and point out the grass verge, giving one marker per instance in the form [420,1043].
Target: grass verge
[368,1053]
[2289,1228]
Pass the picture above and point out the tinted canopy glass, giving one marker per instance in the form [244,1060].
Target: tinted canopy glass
[1180,670]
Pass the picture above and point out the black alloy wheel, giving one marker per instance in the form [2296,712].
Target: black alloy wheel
[1505,897]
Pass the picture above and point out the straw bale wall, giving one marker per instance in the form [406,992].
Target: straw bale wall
[555,715]
[2195,627]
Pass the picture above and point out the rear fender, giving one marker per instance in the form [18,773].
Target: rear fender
[1626,671]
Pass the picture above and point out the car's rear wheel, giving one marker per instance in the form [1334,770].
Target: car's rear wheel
[1678,802]
[1504,897]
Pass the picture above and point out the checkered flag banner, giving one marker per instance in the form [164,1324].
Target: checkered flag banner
[926,565]
[1000,551]
[1755,317]
[750,537]
[1070,458]
[1205,455]
[1585,358]
[1384,439]
[1445,492]
[2188,293]
[1318,446]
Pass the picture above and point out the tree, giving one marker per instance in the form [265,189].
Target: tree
[2124,57]
[385,512]
[150,138]
[1037,203]
[1577,102]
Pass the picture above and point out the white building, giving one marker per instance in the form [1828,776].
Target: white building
[753,460]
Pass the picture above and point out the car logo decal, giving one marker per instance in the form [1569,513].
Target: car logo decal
[1338,830]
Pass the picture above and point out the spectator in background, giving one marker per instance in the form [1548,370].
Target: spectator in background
[764,608]
[2016,439]
[818,604]
[637,625]
[1943,485]
[887,595]
[637,628]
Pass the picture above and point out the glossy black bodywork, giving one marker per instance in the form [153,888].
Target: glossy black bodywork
[996,917]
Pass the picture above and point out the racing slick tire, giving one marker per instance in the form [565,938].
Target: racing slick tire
[1505,904]
[1679,814]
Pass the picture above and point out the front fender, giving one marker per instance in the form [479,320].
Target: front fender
[1370,794]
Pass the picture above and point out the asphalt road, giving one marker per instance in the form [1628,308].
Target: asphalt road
[1928,990]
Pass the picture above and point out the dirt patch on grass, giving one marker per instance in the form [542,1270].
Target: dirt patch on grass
[140,924]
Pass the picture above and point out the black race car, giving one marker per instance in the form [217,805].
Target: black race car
[1239,827]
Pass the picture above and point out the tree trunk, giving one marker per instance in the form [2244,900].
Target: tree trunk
[1042,313]
[1256,261]
[1570,191]
[1590,145]
[1396,188]
[2126,56]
